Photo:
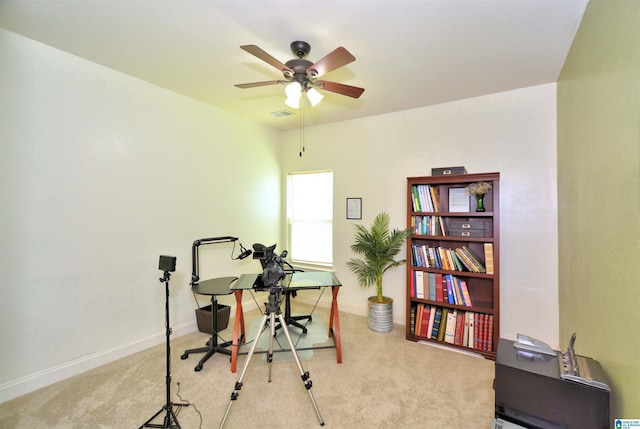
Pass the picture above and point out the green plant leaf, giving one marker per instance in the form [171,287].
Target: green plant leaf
[378,246]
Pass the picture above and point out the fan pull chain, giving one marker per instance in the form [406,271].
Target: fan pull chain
[301,129]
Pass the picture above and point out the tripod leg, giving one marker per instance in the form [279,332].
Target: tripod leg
[272,325]
[238,386]
[304,375]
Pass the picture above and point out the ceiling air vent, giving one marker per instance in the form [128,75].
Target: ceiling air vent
[282,113]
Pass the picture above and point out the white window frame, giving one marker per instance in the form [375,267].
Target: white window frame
[303,263]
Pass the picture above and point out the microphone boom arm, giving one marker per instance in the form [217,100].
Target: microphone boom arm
[194,252]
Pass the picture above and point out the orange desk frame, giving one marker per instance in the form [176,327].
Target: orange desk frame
[239,326]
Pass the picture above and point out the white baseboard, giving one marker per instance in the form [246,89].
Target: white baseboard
[451,349]
[46,377]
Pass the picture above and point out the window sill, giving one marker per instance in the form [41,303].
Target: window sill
[309,266]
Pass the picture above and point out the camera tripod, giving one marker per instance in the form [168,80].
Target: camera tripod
[171,417]
[272,309]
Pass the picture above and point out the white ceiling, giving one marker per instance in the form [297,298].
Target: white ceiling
[409,53]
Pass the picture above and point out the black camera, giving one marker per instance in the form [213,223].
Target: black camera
[167,263]
[273,271]
[263,253]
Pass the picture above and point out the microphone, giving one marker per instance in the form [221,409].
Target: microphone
[244,254]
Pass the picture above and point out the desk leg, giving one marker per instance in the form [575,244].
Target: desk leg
[334,318]
[238,325]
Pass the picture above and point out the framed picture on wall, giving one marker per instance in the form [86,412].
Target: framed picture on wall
[354,208]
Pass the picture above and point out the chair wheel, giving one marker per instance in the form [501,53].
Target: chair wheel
[184,356]
[198,368]
[304,331]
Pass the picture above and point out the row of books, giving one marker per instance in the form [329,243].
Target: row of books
[438,287]
[425,198]
[463,328]
[428,225]
[460,259]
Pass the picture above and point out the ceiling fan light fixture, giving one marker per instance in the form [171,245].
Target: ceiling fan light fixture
[314,97]
[293,92]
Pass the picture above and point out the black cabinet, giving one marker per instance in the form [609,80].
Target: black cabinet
[529,392]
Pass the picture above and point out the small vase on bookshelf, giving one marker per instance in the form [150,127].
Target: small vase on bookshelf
[479,189]
[480,202]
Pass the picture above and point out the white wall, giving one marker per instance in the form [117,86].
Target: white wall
[101,173]
[513,133]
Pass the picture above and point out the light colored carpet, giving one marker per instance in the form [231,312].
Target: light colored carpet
[384,381]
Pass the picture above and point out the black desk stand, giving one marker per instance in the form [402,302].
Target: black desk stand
[213,287]
[170,418]
[288,318]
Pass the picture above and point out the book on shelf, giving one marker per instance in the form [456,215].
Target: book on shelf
[452,326]
[439,291]
[432,318]
[464,260]
[432,286]
[416,200]
[451,299]
[434,198]
[490,332]
[455,282]
[450,331]
[477,339]
[488,257]
[438,287]
[425,192]
[459,259]
[458,339]
[467,328]
[473,259]
[445,289]
[425,198]
[465,293]
[424,325]
[419,283]
[443,324]
[436,323]
[412,319]
[418,324]
[458,264]
[483,332]
[427,225]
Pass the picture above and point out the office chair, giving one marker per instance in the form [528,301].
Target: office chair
[288,293]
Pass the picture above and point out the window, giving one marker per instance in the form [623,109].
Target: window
[310,218]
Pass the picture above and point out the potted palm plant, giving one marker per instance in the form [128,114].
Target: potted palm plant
[378,246]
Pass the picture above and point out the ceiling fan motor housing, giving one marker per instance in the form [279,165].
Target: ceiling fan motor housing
[300,49]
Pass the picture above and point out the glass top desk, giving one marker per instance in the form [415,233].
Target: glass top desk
[296,281]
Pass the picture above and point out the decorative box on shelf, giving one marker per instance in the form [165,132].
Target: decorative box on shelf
[470,228]
[203,317]
[448,170]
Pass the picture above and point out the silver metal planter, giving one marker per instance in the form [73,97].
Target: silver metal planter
[381,314]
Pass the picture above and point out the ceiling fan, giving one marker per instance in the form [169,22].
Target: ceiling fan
[301,75]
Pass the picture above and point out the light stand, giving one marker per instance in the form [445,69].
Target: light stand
[167,263]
